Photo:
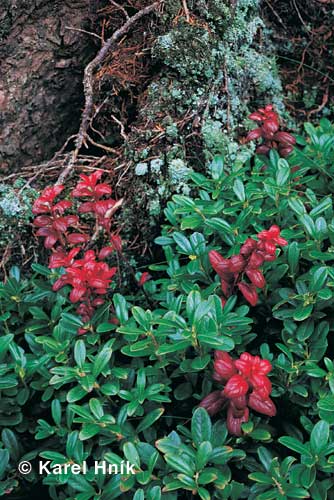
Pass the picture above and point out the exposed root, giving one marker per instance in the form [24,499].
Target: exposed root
[88,83]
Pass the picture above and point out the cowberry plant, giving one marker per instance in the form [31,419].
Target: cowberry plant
[207,398]
[269,131]
[67,236]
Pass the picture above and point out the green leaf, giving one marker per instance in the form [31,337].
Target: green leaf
[293,256]
[303,312]
[239,190]
[203,454]
[5,342]
[101,361]
[295,445]
[88,431]
[4,460]
[120,308]
[80,353]
[56,411]
[131,454]
[181,464]
[318,279]
[177,346]
[183,243]
[283,172]
[149,419]
[319,437]
[201,426]
[75,394]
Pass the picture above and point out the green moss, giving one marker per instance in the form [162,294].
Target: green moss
[15,210]
[213,74]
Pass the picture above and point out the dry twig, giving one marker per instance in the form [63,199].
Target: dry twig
[88,83]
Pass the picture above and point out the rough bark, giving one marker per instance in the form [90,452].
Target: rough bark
[41,70]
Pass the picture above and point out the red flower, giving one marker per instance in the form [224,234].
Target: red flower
[62,259]
[261,405]
[44,202]
[249,292]
[89,279]
[247,386]
[268,129]
[236,386]
[235,418]
[219,264]
[89,186]
[144,278]
[213,403]
[252,255]
[223,366]
[272,236]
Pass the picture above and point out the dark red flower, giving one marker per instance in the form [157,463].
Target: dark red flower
[261,405]
[213,403]
[249,292]
[235,418]
[223,366]
[268,130]
[219,264]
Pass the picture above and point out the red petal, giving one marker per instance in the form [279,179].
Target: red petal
[264,406]
[102,189]
[76,238]
[270,126]
[285,138]
[249,292]
[254,134]
[233,423]
[237,263]
[256,277]
[144,277]
[213,403]
[76,294]
[286,151]
[219,264]
[223,366]
[104,252]
[236,386]
[256,116]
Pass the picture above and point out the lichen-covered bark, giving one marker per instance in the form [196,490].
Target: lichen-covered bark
[41,63]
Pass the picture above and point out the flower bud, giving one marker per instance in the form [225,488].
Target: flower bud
[213,403]
[249,292]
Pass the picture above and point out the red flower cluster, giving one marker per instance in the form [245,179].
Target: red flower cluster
[268,129]
[253,254]
[246,386]
[66,236]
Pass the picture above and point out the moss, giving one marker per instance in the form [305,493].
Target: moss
[213,73]
[15,209]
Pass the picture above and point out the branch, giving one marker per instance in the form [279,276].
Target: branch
[88,83]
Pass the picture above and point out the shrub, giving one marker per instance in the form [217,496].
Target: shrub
[132,391]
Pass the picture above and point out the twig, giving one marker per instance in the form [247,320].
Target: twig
[186,10]
[321,106]
[119,7]
[300,16]
[123,134]
[275,13]
[88,83]
[83,31]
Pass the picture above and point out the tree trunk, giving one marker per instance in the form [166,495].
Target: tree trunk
[41,65]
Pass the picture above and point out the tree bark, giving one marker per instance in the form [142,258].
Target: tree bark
[41,71]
